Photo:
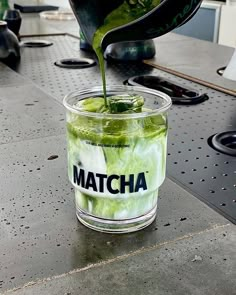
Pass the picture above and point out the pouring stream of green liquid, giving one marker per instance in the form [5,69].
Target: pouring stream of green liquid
[127,12]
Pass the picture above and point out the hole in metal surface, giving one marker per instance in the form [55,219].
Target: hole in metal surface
[224,142]
[75,63]
[178,93]
[36,43]
[220,71]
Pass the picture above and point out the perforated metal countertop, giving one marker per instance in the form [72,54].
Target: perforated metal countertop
[182,252]
[210,175]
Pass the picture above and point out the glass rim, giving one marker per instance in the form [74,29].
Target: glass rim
[122,88]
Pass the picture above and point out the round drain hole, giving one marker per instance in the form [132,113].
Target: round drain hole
[36,43]
[75,63]
[224,142]
[220,71]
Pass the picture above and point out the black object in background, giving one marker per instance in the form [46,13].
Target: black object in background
[162,19]
[9,46]
[29,8]
[178,93]
[224,142]
[13,19]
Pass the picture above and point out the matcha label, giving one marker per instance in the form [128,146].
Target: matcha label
[114,184]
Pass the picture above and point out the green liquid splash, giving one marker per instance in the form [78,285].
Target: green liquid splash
[127,12]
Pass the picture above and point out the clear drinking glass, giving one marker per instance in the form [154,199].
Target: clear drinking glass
[117,162]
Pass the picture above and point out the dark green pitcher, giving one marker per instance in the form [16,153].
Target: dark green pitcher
[165,17]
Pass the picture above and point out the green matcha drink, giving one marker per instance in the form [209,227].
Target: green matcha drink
[128,11]
[117,143]
[117,155]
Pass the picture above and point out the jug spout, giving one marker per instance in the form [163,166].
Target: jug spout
[90,14]
[164,17]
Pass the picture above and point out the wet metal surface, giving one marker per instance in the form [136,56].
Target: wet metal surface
[26,112]
[195,58]
[187,250]
[186,55]
[162,269]
[210,175]
[8,77]
[40,235]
